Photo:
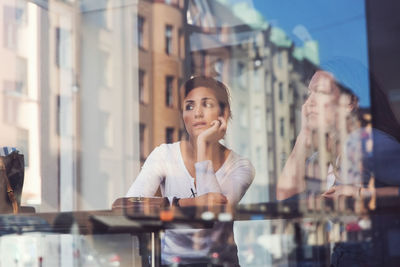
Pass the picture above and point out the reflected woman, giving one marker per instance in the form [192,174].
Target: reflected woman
[325,108]
[198,171]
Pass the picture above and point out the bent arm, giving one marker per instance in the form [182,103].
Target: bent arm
[230,191]
[292,179]
[150,176]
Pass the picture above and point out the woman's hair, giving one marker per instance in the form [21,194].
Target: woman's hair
[220,90]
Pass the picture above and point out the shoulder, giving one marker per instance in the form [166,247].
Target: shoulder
[166,149]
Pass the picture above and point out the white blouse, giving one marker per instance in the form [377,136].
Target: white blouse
[165,168]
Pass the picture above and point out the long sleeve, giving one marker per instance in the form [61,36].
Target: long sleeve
[234,184]
[206,179]
[150,177]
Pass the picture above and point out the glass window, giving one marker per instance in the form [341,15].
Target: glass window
[169,89]
[142,87]
[21,85]
[14,17]
[168,39]
[280,88]
[89,89]
[63,52]
[143,144]
[140,31]
[240,74]
[169,135]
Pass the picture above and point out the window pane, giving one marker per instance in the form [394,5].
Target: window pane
[91,94]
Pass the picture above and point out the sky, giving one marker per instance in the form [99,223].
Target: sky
[339,26]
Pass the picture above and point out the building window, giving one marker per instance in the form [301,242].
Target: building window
[63,48]
[280,60]
[21,85]
[240,74]
[168,39]
[142,77]
[142,141]
[280,92]
[141,32]
[10,28]
[267,84]
[283,159]
[169,91]
[169,135]
[181,44]
[282,127]
[13,17]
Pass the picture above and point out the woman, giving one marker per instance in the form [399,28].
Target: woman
[198,171]
[324,112]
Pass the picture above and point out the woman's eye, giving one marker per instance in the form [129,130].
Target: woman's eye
[189,107]
[208,104]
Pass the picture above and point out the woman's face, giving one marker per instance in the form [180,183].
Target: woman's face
[321,106]
[200,108]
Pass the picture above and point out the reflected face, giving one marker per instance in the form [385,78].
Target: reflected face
[320,108]
[200,108]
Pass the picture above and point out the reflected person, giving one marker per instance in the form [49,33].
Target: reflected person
[198,171]
[350,166]
[328,113]
[313,164]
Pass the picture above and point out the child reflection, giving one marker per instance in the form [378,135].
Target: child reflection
[198,172]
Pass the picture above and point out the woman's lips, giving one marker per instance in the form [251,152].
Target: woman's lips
[312,114]
[199,124]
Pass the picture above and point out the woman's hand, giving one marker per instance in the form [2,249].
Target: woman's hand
[211,199]
[210,137]
[342,190]
[207,200]
[214,133]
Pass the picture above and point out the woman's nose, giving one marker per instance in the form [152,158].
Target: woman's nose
[311,100]
[198,111]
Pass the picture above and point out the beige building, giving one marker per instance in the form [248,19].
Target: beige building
[20,83]
[161,53]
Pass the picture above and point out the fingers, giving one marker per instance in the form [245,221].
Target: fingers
[330,190]
[330,193]
[217,198]
[223,123]
[215,123]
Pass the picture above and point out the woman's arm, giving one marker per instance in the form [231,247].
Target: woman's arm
[292,179]
[363,192]
[231,190]
[210,191]
[150,176]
